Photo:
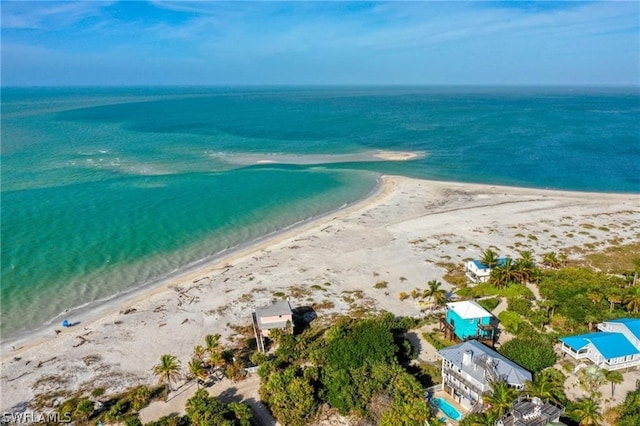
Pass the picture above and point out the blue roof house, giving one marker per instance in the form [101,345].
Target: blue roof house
[468,320]
[616,347]
[478,272]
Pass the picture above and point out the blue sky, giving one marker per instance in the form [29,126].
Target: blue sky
[226,43]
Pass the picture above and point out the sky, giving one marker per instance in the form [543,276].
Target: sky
[51,43]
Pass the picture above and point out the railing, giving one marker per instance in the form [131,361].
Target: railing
[465,381]
[258,333]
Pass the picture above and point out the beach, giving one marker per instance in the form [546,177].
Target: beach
[405,233]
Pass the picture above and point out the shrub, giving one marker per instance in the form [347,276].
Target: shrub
[489,304]
[381,284]
[520,306]
[511,321]
[534,354]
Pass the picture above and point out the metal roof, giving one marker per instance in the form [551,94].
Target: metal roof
[633,324]
[504,367]
[609,344]
[468,309]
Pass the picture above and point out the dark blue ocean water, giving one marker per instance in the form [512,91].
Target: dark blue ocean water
[105,189]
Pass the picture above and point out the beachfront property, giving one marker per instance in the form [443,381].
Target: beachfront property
[469,367]
[468,320]
[532,412]
[478,272]
[614,347]
[278,315]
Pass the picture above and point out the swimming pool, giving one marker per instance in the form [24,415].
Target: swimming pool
[448,409]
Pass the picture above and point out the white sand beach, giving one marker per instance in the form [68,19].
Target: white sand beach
[403,234]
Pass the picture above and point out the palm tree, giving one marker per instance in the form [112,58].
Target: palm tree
[632,300]
[481,419]
[501,398]
[522,272]
[614,377]
[551,260]
[613,299]
[437,295]
[197,370]
[563,257]
[167,370]
[526,258]
[199,351]
[502,275]
[588,411]
[216,358]
[489,258]
[547,384]
[595,297]
[211,342]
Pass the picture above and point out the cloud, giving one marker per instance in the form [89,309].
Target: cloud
[267,42]
[48,15]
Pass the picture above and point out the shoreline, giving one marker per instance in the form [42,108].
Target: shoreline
[400,233]
[93,310]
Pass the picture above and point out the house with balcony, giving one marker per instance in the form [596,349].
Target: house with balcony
[469,368]
[468,320]
[278,315]
[478,272]
[532,412]
[614,347]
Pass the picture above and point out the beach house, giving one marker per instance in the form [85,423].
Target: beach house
[532,412]
[468,320]
[278,315]
[468,369]
[478,272]
[614,347]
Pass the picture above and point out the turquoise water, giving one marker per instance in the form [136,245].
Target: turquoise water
[106,189]
[448,409]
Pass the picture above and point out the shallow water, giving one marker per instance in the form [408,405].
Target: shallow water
[106,189]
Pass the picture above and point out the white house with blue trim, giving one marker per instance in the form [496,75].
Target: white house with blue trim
[616,346]
[478,272]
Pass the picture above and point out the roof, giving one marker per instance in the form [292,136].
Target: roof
[633,324]
[610,345]
[480,265]
[514,374]
[468,309]
[277,308]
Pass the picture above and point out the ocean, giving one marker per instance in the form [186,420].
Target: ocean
[105,190]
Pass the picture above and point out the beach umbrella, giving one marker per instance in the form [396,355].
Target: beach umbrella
[65,323]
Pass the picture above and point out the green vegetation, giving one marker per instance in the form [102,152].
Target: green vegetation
[167,370]
[488,289]
[489,304]
[116,408]
[630,412]
[355,367]
[582,297]
[381,284]
[437,341]
[534,353]
[204,410]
